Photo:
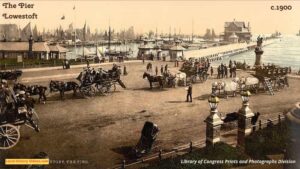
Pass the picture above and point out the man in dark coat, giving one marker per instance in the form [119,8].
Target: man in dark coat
[189,93]
[162,69]
[225,71]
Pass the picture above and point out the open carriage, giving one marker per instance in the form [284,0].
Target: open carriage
[12,117]
[101,81]
[194,72]
[10,75]
[233,86]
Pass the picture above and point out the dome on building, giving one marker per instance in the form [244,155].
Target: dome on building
[233,36]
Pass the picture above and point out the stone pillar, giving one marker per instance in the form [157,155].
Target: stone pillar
[293,148]
[244,124]
[258,52]
[213,126]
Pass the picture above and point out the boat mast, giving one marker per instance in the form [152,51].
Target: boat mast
[74,8]
[192,30]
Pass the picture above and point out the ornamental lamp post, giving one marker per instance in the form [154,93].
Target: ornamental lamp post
[245,115]
[245,97]
[213,101]
[213,122]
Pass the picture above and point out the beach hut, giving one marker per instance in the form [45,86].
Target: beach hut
[145,51]
[176,52]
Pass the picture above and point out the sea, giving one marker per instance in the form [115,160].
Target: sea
[283,52]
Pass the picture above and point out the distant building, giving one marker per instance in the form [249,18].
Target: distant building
[9,32]
[176,52]
[31,50]
[237,29]
[145,51]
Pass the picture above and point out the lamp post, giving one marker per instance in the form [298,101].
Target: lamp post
[213,122]
[244,119]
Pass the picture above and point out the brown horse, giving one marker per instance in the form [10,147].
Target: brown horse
[153,79]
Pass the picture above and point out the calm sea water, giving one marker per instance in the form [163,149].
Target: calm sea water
[284,52]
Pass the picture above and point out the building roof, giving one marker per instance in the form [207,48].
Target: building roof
[36,47]
[237,23]
[177,48]
[58,48]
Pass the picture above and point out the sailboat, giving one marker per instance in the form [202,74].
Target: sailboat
[298,33]
[87,55]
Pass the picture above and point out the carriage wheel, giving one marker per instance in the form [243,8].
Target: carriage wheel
[9,136]
[34,119]
[109,87]
[92,91]
[102,88]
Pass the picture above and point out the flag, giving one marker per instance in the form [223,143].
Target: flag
[63,17]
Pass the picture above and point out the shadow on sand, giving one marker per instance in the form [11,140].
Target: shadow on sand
[126,151]
[154,89]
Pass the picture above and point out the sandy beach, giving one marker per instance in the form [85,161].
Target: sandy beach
[102,129]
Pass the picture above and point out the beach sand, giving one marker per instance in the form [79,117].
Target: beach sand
[103,129]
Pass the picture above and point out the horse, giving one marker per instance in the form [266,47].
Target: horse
[231,118]
[152,79]
[33,90]
[11,75]
[62,87]
[181,78]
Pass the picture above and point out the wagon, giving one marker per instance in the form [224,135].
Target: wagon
[10,123]
[14,114]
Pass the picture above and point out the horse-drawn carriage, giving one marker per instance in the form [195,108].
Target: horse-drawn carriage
[93,81]
[14,114]
[234,86]
[194,71]
[10,75]
[272,77]
[167,79]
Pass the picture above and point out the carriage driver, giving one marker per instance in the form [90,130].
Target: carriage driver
[21,98]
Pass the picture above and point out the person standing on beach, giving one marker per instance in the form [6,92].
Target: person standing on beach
[156,70]
[225,71]
[211,71]
[189,97]
[162,69]
[166,68]
[125,71]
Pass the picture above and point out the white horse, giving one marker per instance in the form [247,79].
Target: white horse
[249,83]
[180,78]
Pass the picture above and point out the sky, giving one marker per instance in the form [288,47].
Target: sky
[147,15]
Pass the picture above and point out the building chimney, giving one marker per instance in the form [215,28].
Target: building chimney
[30,53]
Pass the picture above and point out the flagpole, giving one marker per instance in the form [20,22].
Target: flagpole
[74,8]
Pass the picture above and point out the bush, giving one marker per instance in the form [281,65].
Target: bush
[270,140]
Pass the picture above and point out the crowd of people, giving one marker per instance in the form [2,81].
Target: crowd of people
[163,69]
[222,70]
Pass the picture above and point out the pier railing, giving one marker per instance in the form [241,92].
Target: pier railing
[193,145]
